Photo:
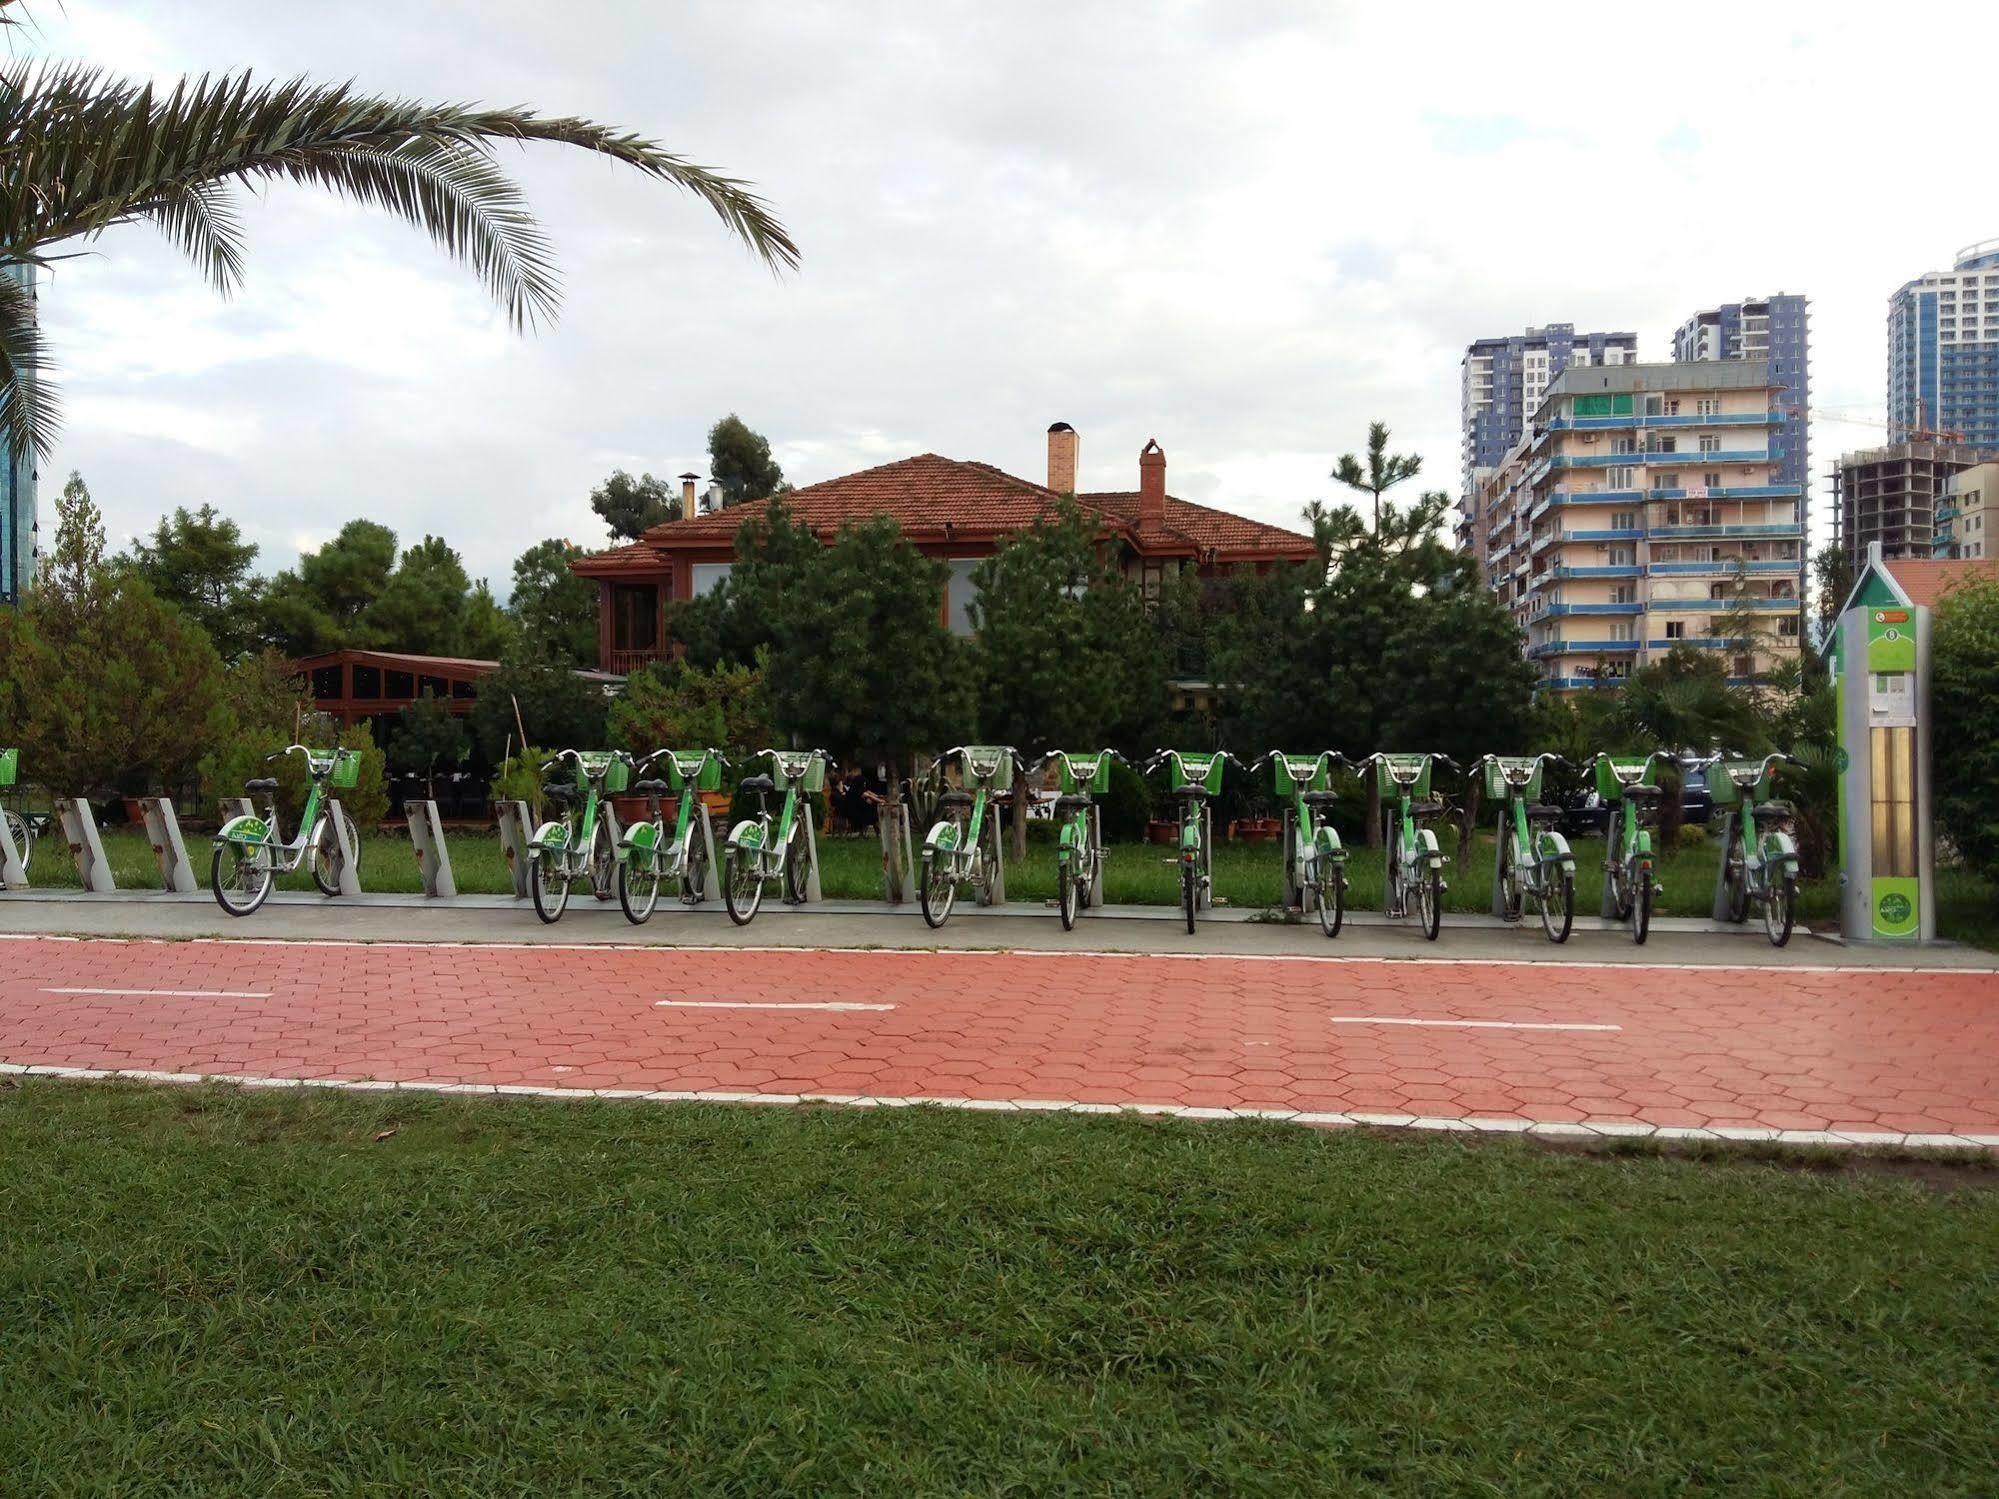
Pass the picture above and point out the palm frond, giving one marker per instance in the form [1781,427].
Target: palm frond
[29,407]
[201,222]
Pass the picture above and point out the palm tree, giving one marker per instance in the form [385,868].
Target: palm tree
[85,152]
[1383,470]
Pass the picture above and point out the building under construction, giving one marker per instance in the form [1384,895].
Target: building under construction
[1891,495]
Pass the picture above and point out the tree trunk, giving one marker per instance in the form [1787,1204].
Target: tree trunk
[1468,823]
[1374,806]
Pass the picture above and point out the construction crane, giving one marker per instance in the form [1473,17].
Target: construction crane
[1920,432]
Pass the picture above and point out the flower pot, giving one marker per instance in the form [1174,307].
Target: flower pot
[1256,829]
[1162,830]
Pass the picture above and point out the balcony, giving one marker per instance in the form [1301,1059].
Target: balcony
[1733,492]
[1724,566]
[1555,611]
[625,662]
[1725,606]
[1619,571]
[1686,533]
[1615,423]
[1582,648]
[1620,535]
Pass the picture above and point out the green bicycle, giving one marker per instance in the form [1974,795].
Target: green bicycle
[250,853]
[648,854]
[582,842]
[1318,859]
[1534,860]
[20,828]
[1760,865]
[1629,786]
[954,851]
[1081,776]
[760,851]
[1414,863]
[1195,776]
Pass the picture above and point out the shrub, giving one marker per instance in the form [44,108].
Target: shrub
[1127,805]
[670,704]
[1964,693]
[519,779]
[1692,835]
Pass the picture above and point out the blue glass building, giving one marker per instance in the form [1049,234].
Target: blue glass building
[1776,330]
[17,502]
[1943,351]
[1506,378]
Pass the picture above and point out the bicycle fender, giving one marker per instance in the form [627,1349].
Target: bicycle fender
[1426,847]
[642,837]
[1554,846]
[1327,842]
[1781,848]
[244,829]
[1642,845]
[942,835]
[746,834]
[551,835]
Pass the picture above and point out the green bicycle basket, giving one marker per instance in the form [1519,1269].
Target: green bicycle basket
[346,770]
[616,772]
[1496,789]
[808,765]
[1721,785]
[1302,773]
[1610,788]
[1084,770]
[695,770]
[1002,778]
[1389,790]
[1198,768]
[10,766]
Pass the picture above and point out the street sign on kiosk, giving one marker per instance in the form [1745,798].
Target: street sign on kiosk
[1879,655]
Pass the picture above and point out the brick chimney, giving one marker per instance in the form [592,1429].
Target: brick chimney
[1062,445]
[687,482]
[1151,485]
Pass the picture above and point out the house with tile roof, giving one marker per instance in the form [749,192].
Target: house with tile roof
[954,510]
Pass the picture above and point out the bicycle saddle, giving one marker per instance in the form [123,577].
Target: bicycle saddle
[759,784]
[652,788]
[955,799]
[1640,791]
[1191,789]
[1773,811]
[560,791]
[262,783]
[1425,809]
[1070,802]
[1320,798]
[1542,812]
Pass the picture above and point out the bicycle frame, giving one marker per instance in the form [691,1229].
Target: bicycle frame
[955,842]
[756,836]
[569,839]
[1316,839]
[1412,854]
[1613,775]
[1518,780]
[251,831]
[688,773]
[1766,854]
[1080,774]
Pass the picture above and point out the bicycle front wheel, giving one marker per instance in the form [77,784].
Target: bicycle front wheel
[694,876]
[1641,908]
[1558,904]
[1509,878]
[240,876]
[1190,896]
[14,828]
[1430,902]
[1329,890]
[742,883]
[1067,898]
[938,890]
[548,882]
[638,884]
[1780,911]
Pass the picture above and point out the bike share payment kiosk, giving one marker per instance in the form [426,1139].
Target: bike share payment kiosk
[1879,654]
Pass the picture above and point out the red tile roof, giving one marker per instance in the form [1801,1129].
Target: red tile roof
[636,557]
[1927,580]
[931,497]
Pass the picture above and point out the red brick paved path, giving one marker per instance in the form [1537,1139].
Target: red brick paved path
[1759,1049]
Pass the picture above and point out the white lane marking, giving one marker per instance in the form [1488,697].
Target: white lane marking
[669,950]
[760,1004]
[1482,1025]
[171,993]
[1632,1129]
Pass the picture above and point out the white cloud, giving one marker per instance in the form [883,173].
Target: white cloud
[1247,230]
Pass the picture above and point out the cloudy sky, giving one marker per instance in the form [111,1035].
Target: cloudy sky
[1245,227]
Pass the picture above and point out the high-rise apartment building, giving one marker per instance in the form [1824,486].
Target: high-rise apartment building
[1894,496]
[17,500]
[1776,330]
[1943,352]
[1968,518]
[1506,378]
[1643,510]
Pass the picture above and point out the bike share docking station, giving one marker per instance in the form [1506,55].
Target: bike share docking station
[1879,655]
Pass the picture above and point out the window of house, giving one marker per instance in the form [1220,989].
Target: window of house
[1666,481]
[1710,443]
[705,577]
[1152,575]
[1620,478]
[1743,667]
[435,686]
[1655,406]
[368,681]
[634,616]
[1623,556]
[1787,626]
[1710,481]
[962,594]
[1707,406]
[1663,445]
[399,684]
[326,683]
[1624,520]
[1623,593]
[1676,629]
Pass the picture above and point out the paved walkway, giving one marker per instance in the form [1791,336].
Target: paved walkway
[1805,1052]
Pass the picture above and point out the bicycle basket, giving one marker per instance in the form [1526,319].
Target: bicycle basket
[1302,773]
[346,770]
[807,767]
[1726,790]
[1610,785]
[1086,771]
[1496,787]
[1420,791]
[1203,770]
[10,766]
[696,770]
[617,773]
[997,757]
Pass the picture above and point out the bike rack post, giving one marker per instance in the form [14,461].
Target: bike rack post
[898,853]
[1499,907]
[79,830]
[1097,879]
[711,887]
[995,888]
[1722,911]
[811,849]
[617,833]
[163,832]
[516,824]
[1204,898]
[12,875]
[1294,894]
[350,856]
[433,859]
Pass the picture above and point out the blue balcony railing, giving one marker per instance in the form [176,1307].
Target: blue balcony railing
[1725,565]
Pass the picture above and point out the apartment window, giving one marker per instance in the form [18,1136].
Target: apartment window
[1663,445]
[1666,481]
[1621,477]
[1624,520]
[1710,443]
[1621,629]
[1624,445]
[1622,556]
[1787,627]
[1624,593]
[1743,667]
[1655,405]
[1676,629]
[634,616]
[1707,406]
[1711,481]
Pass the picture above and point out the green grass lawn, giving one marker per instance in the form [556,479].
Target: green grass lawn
[210,1292]
[1246,875]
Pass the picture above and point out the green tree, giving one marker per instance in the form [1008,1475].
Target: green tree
[319,605]
[1964,696]
[425,738]
[740,463]
[266,708]
[558,708]
[88,152]
[422,606]
[738,618]
[671,705]
[555,610]
[1382,471]
[104,687]
[198,562]
[489,632]
[862,663]
[1064,655]
[630,507]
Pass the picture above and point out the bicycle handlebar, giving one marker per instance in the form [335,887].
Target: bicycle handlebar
[777,760]
[1333,755]
[1533,767]
[312,764]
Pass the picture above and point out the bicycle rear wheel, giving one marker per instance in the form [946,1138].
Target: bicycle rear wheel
[638,884]
[1558,904]
[694,871]
[1780,911]
[1067,897]
[1509,878]
[1641,908]
[240,876]
[742,883]
[326,858]
[1329,890]
[1430,902]
[1190,895]
[937,890]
